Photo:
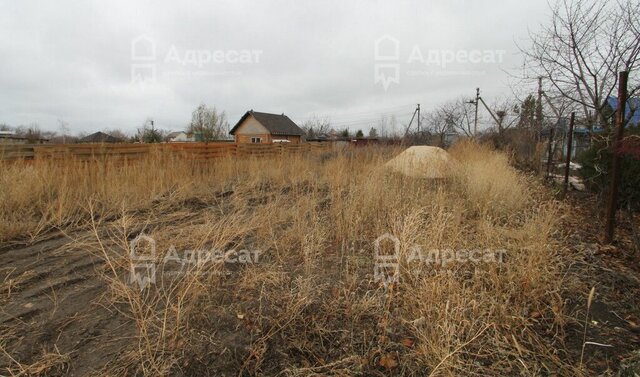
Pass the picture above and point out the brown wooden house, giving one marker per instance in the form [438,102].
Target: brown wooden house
[265,128]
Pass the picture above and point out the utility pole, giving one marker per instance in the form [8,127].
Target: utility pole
[615,163]
[495,118]
[475,119]
[418,110]
[406,131]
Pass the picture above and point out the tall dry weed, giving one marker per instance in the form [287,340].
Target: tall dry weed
[311,306]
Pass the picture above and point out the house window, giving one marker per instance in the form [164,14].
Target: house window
[256,140]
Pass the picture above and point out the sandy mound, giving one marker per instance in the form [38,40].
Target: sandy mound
[422,162]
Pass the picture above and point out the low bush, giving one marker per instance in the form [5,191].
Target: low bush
[596,165]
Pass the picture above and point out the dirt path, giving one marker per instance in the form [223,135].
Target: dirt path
[55,314]
[614,273]
[51,312]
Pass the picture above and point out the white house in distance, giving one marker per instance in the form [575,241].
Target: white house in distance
[178,137]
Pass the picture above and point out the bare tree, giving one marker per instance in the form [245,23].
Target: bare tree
[393,124]
[116,132]
[439,124]
[208,123]
[581,50]
[32,133]
[458,116]
[148,133]
[505,113]
[64,131]
[382,125]
[388,126]
[316,126]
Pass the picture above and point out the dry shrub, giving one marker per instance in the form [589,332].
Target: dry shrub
[491,185]
[47,363]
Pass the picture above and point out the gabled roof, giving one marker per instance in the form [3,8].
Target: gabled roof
[100,137]
[4,135]
[175,133]
[274,123]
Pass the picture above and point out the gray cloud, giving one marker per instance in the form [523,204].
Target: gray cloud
[72,60]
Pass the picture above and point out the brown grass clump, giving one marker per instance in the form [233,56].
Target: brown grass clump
[310,305]
[490,184]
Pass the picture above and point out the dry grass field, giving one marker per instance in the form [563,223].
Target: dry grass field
[307,303]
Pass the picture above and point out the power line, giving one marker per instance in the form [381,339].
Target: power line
[387,109]
[369,120]
[372,118]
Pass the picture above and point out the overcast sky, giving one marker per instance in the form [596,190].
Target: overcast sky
[112,64]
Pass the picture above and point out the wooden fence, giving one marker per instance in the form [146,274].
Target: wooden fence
[131,152]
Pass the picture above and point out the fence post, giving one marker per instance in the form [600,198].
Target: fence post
[615,163]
